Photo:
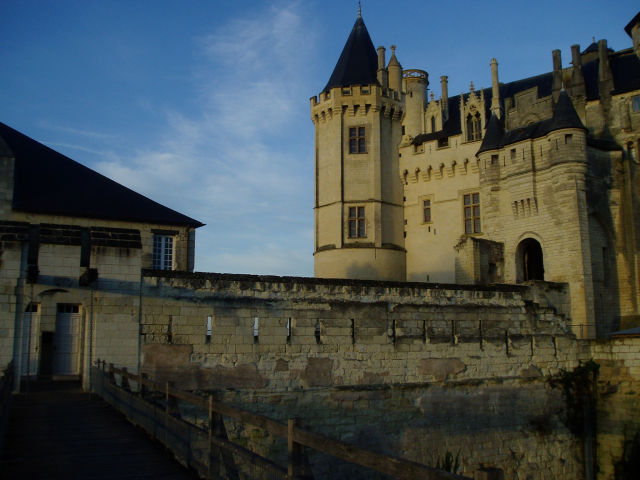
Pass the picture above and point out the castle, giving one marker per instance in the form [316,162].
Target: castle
[535,179]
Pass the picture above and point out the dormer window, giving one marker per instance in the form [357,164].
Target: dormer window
[474,127]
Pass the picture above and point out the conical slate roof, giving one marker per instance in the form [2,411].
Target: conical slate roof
[564,114]
[493,137]
[48,182]
[358,62]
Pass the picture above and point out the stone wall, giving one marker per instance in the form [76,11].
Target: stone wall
[416,370]
[618,406]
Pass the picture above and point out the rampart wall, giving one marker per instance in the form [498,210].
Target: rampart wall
[416,370]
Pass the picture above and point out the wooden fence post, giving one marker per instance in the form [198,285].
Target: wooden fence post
[218,430]
[125,380]
[298,467]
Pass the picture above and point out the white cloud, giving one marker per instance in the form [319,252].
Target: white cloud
[239,163]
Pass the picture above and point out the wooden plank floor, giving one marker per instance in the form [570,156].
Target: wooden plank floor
[56,431]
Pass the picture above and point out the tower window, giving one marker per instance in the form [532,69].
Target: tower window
[635,103]
[357,140]
[426,211]
[356,222]
[433,124]
[162,252]
[471,213]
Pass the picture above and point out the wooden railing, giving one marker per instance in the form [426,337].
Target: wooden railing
[209,450]
[6,386]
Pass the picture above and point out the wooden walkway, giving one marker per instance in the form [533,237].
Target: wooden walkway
[57,431]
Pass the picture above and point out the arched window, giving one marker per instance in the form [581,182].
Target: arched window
[433,124]
[474,126]
[529,261]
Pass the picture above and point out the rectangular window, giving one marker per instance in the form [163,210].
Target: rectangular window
[356,222]
[426,211]
[568,138]
[162,252]
[443,142]
[513,154]
[472,213]
[357,140]
[635,103]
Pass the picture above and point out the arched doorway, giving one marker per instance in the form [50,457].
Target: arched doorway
[529,261]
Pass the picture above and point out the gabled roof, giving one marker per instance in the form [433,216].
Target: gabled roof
[358,62]
[48,182]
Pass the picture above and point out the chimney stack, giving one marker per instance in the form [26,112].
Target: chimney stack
[444,84]
[383,76]
[495,89]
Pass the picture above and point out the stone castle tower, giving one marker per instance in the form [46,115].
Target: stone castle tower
[358,198]
[537,179]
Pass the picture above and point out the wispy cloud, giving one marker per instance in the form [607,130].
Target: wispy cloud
[226,163]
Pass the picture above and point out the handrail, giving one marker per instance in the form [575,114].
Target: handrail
[6,387]
[297,437]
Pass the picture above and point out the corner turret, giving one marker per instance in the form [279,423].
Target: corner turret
[358,202]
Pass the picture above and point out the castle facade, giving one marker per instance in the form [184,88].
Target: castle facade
[531,180]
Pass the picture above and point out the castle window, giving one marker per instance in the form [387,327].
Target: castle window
[356,222]
[163,252]
[443,142]
[357,140]
[474,131]
[433,124]
[635,103]
[426,211]
[513,154]
[568,138]
[471,213]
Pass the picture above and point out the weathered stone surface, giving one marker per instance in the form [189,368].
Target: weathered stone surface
[440,368]
[282,365]
[318,372]
[530,372]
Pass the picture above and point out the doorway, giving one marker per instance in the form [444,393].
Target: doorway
[529,261]
[66,340]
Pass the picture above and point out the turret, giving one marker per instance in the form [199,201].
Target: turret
[416,82]
[358,206]
[395,72]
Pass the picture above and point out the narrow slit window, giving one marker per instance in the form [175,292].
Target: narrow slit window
[209,328]
[289,330]
[256,329]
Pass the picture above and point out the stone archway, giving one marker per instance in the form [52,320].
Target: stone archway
[529,261]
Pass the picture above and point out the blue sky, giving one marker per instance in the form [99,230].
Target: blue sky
[204,105]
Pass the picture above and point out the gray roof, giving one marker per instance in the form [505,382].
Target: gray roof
[48,182]
[358,62]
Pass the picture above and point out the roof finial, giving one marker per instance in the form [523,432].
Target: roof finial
[359,10]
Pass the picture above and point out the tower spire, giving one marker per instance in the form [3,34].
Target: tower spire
[359,10]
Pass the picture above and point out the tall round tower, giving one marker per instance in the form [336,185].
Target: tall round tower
[359,229]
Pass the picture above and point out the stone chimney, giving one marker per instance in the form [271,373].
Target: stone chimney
[495,89]
[444,84]
[556,84]
[383,76]
[605,77]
